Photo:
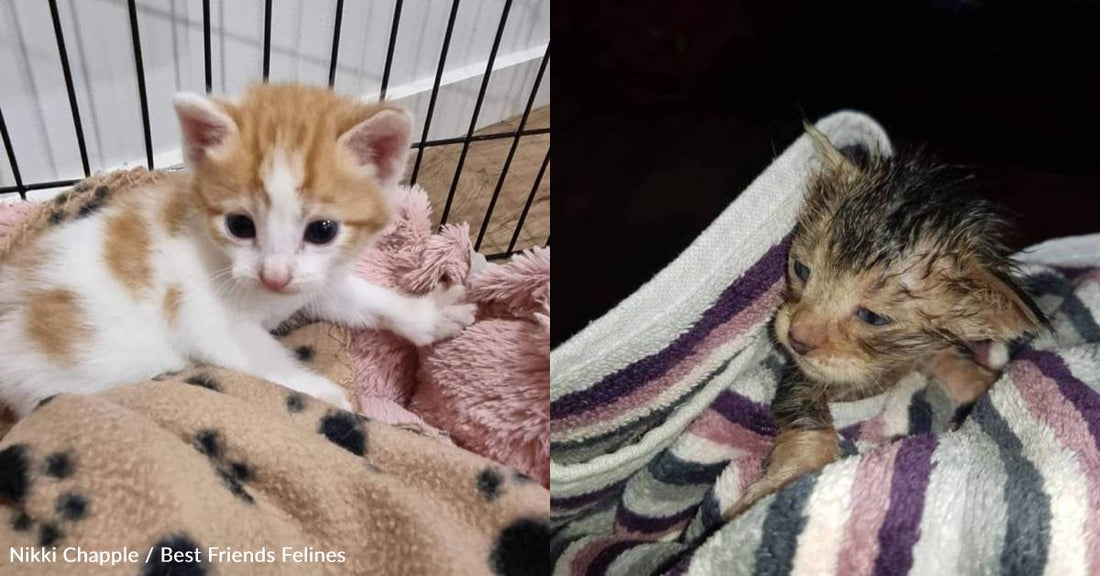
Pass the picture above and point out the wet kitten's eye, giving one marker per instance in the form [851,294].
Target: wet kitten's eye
[321,231]
[240,226]
[871,318]
[801,271]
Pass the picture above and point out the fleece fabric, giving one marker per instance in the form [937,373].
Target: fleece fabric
[213,461]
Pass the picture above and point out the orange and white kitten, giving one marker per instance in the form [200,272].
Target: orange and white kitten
[287,185]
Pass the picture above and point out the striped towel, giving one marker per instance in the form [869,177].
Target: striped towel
[660,419]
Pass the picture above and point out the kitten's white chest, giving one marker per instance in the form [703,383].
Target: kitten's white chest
[270,310]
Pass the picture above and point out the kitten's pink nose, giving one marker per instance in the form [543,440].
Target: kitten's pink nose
[800,340]
[799,346]
[275,281]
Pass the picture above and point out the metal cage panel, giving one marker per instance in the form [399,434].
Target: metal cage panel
[21,187]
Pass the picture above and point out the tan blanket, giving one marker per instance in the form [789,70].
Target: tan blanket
[212,472]
[217,462]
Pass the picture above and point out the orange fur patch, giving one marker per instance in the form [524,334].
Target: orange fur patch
[53,323]
[27,262]
[172,303]
[126,249]
[304,123]
[173,212]
[121,183]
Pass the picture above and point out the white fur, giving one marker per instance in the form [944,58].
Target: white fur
[998,355]
[280,231]
[225,312]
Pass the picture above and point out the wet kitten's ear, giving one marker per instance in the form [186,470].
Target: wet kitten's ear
[382,141]
[203,124]
[829,155]
[995,308]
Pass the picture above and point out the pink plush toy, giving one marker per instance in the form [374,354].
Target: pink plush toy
[489,387]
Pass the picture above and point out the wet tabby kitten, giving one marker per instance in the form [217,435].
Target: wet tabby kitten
[287,185]
[894,266]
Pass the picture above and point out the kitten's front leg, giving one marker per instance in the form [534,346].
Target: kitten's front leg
[806,440]
[419,319]
[794,454]
[961,376]
[249,349]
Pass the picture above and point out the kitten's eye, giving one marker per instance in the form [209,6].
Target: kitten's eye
[321,231]
[240,226]
[801,271]
[871,318]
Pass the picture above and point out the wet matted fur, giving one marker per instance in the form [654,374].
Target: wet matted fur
[895,264]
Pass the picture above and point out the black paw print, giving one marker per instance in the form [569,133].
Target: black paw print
[15,485]
[233,474]
[522,548]
[345,430]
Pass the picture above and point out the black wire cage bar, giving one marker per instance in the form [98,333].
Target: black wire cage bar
[21,188]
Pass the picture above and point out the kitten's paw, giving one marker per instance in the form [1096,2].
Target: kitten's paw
[455,314]
[753,494]
[338,399]
[964,379]
[318,387]
[794,454]
[439,315]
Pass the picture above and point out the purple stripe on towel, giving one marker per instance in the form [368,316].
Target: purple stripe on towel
[746,413]
[851,432]
[587,498]
[641,524]
[1073,272]
[900,529]
[603,560]
[1079,394]
[755,282]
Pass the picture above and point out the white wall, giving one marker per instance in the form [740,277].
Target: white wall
[97,35]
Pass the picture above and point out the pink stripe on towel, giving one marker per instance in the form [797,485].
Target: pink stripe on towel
[870,501]
[586,556]
[716,428]
[749,470]
[874,430]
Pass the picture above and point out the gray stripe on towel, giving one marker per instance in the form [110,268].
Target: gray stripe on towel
[1028,532]
[785,521]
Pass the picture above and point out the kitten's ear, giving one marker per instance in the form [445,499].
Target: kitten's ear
[382,141]
[829,155]
[996,308]
[203,124]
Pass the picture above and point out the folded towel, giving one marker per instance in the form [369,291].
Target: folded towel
[660,419]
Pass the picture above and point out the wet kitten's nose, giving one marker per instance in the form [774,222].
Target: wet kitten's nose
[800,339]
[797,345]
[274,281]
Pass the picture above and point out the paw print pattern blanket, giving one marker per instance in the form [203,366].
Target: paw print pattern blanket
[208,471]
[211,472]
[660,420]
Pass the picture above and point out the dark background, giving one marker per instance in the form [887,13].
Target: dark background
[665,110]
